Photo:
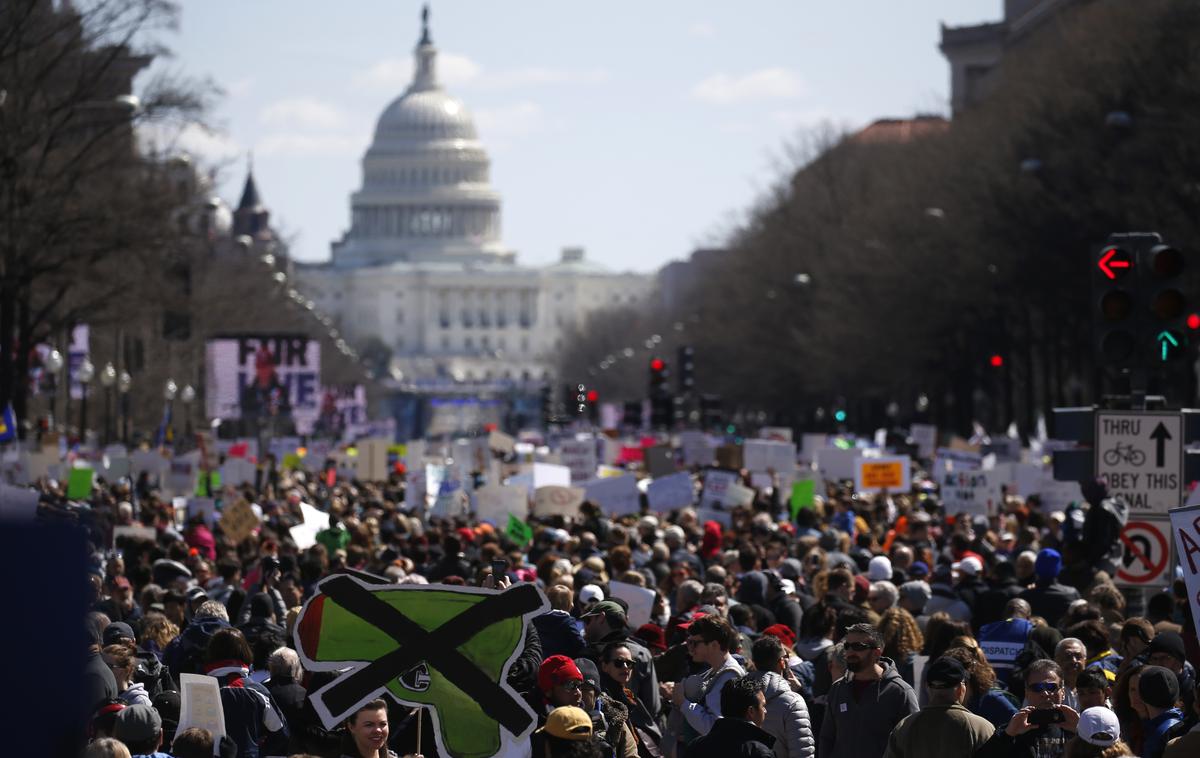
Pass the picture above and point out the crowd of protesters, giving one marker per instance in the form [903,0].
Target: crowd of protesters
[864,627]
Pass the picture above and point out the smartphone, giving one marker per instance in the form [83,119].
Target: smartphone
[1044,716]
[499,569]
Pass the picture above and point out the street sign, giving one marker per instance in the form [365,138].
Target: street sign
[1145,554]
[1140,456]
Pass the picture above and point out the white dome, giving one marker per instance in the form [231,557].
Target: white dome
[425,115]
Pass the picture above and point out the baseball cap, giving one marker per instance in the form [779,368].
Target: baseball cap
[606,607]
[945,673]
[918,569]
[117,631]
[1099,726]
[879,568]
[969,566]
[1048,563]
[590,593]
[917,593]
[591,674]
[568,723]
[556,670]
[137,724]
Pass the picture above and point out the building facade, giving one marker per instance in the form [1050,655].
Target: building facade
[423,269]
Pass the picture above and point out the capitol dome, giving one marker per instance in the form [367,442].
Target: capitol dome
[425,193]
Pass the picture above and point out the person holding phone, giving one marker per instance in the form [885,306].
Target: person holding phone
[1044,726]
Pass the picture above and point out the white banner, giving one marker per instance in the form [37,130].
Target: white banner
[579,456]
[494,503]
[976,493]
[616,495]
[262,376]
[556,500]
[769,455]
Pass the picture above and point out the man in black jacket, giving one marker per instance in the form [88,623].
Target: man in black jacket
[1047,598]
[787,611]
[606,623]
[738,732]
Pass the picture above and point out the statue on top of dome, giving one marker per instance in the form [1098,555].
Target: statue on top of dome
[425,40]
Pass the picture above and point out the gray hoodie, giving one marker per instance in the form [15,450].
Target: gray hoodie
[855,728]
[787,717]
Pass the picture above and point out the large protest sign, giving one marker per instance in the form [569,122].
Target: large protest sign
[305,534]
[448,649]
[836,464]
[640,600]
[556,500]
[738,495]
[1185,524]
[974,493]
[697,448]
[616,495]
[891,473]
[255,376]
[496,502]
[200,704]
[579,456]
[769,455]
[669,492]
[924,436]
[370,465]
[716,487]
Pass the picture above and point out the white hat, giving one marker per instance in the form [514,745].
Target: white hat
[969,565]
[879,568]
[590,594]
[787,586]
[1099,726]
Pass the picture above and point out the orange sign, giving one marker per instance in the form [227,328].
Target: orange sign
[878,475]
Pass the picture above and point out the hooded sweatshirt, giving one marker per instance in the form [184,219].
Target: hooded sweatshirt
[860,727]
[135,694]
[787,717]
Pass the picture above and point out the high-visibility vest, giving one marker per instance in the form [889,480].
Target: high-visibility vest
[1002,642]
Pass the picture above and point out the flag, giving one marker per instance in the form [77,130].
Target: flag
[8,424]
[162,436]
[518,530]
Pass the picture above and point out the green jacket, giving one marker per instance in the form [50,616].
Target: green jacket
[939,730]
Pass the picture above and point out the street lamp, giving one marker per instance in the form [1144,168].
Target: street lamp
[124,384]
[53,363]
[85,373]
[108,377]
[170,389]
[187,395]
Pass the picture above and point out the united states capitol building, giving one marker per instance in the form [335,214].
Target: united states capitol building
[423,266]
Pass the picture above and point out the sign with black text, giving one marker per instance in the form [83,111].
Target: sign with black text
[1139,454]
[264,376]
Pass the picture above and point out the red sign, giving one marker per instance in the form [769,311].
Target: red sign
[1145,553]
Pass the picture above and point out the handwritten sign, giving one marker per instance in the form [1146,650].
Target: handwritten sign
[200,705]
[238,521]
[716,487]
[556,500]
[889,473]
[975,493]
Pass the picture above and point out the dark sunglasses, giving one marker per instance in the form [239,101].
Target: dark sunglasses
[572,684]
[860,646]
[694,641]
[1045,688]
[622,664]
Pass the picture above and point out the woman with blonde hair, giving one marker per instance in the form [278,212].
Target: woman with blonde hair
[106,747]
[902,639]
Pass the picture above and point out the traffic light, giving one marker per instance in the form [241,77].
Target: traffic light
[662,405]
[592,402]
[632,416]
[710,411]
[996,361]
[1145,309]
[658,375]
[687,370]
[839,416]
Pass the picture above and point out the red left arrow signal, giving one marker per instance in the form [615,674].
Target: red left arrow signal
[1115,262]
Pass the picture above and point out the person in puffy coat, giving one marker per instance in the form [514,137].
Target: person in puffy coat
[787,717]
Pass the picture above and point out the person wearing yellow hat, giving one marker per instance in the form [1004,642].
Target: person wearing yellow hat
[567,732]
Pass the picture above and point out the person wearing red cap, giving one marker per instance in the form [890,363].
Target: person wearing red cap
[559,680]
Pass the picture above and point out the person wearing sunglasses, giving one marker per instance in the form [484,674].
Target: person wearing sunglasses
[1042,728]
[698,698]
[866,703]
[560,682]
[616,672]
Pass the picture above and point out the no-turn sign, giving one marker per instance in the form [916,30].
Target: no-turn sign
[1145,553]
[1139,455]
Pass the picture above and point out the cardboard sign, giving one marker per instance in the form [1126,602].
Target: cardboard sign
[238,521]
[660,461]
[496,502]
[670,492]
[716,487]
[17,503]
[617,495]
[1185,525]
[446,649]
[640,600]
[555,500]
[579,456]
[891,473]
[501,443]
[200,705]
[370,465]
[974,493]
[769,455]
[730,456]
[79,483]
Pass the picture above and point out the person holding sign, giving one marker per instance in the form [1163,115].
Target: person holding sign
[367,733]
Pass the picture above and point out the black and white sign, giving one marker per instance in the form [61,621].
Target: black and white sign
[1145,554]
[1140,456]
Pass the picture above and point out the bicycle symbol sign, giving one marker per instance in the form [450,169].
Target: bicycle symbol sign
[1140,456]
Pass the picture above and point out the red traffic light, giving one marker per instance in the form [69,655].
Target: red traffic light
[1193,321]
[657,364]
[593,396]
[997,360]
[1115,263]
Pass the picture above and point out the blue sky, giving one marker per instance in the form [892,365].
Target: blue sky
[638,130]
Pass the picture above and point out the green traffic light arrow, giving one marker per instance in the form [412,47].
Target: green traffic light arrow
[1163,338]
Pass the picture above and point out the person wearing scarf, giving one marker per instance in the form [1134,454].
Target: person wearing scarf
[252,720]
[616,671]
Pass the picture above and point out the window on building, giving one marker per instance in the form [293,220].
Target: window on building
[468,343]
[485,343]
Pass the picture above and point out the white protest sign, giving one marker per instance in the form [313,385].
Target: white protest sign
[17,503]
[205,507]
[181,473]
[738,495]
[116,467]
[547,474]
[200,705]
[640,600]
[148,461]
[616,495]
[669,492]
[556,500]
[810,444]
[579,456]
[305,534]
[924,436]
[722,517]
[975,493]
[237,471]
[1139,455]
[1185,525]
[501,442]
[697,448]
[15,467]
[494,503]
[778,433]
[716,487]
[451,500]
[955,460]
[1057,496]
[370,465]
[138,532]
[836,464]
[768,455]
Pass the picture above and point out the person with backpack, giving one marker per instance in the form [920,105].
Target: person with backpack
[787,718]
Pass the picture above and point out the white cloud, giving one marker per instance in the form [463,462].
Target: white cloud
[764,84]
[301,112]
[702,29]
[394,74]
[533,76]
[241,87]
[517,120]
[207,146]
[289,143]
